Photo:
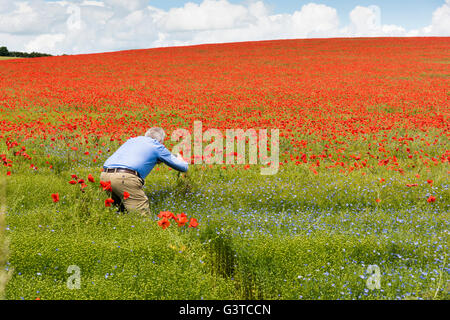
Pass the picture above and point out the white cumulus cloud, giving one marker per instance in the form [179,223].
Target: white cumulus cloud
[84,26]
[366,22]
[44,41]
[209,15]
[440,23]
[315,20]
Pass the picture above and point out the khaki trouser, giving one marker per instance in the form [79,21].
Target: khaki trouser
[121,182]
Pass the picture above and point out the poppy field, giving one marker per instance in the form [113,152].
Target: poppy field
[358,209]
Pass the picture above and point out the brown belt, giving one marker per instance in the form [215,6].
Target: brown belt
[110,170]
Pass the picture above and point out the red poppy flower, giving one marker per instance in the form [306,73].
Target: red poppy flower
[193,223]
[72,182]
[55,197]
[431,199]
[166,214]
[74,176]
[126,195]
[80,181]
[8,173]
[430,181]
[90,178]
[106,185]
[108,202]
[164,223]
[181,219]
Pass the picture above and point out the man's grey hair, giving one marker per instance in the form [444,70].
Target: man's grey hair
[156,133]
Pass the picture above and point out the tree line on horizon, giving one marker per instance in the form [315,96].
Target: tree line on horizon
[4,52]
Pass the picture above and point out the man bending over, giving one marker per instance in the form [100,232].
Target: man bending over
[131,163]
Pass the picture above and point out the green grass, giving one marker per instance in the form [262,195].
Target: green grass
[9,58]
[287,236]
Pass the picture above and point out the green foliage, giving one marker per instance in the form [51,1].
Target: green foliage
[4,52]
[293,235]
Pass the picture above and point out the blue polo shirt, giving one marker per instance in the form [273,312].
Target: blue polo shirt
[141,154]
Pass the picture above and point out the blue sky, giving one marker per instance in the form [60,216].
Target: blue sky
[89,26]
[411,14]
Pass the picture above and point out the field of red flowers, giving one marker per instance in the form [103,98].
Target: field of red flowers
[325,96]
[363,123]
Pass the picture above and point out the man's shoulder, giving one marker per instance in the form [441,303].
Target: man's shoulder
[143,139]
[147,142]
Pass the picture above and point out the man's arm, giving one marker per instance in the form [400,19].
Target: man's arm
[172,161]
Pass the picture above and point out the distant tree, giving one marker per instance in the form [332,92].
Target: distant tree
[4,52]
[15,54]
[27,55]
